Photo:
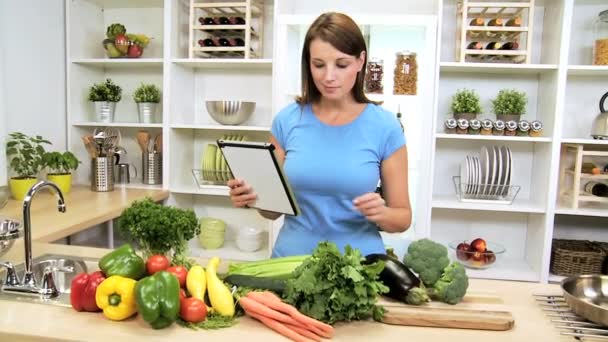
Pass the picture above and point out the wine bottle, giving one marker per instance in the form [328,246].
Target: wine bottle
[474,46]
[591,168]
[493,46]
[206,42]
[596,189]
[514,22]
[476,22]
[510,46]
[494,22]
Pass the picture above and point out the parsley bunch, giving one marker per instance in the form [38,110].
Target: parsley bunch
[159,229]
[332,287]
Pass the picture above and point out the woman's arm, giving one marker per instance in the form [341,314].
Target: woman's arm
[394,213]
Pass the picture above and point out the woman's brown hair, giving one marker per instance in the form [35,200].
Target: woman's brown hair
[342,33]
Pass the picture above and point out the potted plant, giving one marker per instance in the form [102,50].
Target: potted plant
[510,104]
[104,96]
[465,104]
[24,155]
[60,166]
[147,96]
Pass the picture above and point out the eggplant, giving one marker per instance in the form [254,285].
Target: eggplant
[396,276]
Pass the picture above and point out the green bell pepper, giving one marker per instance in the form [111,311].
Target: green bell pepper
[157,299]
[124,262]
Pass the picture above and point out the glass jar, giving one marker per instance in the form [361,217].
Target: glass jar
[450,126]
[600,33]
[499,128]
[474,126]
[536,128]
[373,76]
[406,74]
[523,128]
[486,127]
[463,126]
[511,128]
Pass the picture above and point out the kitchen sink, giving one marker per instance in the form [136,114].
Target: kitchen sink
[62,279]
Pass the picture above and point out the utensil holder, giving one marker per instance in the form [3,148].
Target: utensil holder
[152,168]
[102,174]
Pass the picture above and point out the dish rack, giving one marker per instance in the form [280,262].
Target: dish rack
[234,40]
[517,30]
[204,178]
[493,193]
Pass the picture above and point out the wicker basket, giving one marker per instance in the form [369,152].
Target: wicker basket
[574,257]
[604,247]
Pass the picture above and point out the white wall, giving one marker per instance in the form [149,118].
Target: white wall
[3,178]
[32,66]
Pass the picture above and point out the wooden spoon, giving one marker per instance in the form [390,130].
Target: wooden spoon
[143,138]
[158,143]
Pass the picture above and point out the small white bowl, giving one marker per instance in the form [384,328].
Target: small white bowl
[249,245]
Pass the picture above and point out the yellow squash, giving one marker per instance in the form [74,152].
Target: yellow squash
[219,294]
[196,282]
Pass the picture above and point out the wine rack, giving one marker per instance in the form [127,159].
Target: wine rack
[226,29]
[494,32]
[572,180]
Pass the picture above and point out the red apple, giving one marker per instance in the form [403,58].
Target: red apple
[462,251]
[135,51]
[490,257]
[478,259]
[478,245]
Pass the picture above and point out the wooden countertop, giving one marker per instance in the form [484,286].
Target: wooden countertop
[35,322]
[85,208]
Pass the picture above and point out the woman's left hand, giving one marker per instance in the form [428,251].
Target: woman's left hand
[371,205]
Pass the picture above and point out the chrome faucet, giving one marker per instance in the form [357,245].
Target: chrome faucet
[28,284]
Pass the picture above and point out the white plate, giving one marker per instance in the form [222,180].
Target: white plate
[498,181]
[484,159]
[463,177]
[478,183]
[492,174]
[506,170]
[475,182]
[510,166]
[469,175]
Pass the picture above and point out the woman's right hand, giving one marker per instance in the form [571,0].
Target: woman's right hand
[241,193]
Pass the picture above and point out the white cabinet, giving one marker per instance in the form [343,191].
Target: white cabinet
[562,87]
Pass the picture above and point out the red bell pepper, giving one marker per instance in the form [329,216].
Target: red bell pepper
[82,291]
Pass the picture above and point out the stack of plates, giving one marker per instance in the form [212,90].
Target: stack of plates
[214,165]
[487,175]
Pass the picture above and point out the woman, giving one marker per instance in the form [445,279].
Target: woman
[334,145]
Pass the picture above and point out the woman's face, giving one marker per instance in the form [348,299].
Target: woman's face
[334,72]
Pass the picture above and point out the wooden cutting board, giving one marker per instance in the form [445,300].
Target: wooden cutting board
[481,311]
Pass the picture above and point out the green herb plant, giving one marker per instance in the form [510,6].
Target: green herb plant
[25,154]
[466,101]
[60,163]
[510,101]
[107,91]
[147,93]
[331,286]
[159,229]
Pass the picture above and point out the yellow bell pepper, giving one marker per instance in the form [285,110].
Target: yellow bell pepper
[116,297]
[219,294]
[196,282]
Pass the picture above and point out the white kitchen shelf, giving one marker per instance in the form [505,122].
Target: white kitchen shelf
[219,127]
[588,70]
[584,141]
[507,269]
[497,68]
[519,205]
[212,190]
[114,4]
[603,176]
[229,251]
[250,63]
[584,209]
[120,62]
[118,124]
[492,138]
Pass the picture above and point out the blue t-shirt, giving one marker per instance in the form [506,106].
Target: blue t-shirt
[327,167]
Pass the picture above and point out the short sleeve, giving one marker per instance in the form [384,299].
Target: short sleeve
[280,124]
[394,139]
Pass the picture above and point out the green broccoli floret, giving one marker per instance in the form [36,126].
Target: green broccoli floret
[417,296]
[428,259]
[452,285]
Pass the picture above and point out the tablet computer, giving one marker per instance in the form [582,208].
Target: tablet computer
[256,163]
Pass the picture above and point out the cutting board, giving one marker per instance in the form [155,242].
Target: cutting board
[481,311]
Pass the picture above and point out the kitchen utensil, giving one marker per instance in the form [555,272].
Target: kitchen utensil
[479,311]
[89,145]
[158,143]
[123,174]
[102,174]
[230,112]
[587,296]
[143,139]
[152,168]
[600,124]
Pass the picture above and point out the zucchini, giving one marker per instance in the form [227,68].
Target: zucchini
[258,283]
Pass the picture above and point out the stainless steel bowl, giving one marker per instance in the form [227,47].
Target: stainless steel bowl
[230,112]
[587,296]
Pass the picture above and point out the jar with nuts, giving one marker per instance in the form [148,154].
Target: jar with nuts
[523,128]
[600,47]
[463,126]
[486,127]
[373,76]
[450,126]
[406,74]
[536,128]
[474,126]
[499,128]
[511,128]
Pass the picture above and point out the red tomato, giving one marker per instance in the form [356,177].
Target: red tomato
[193,310]
[157,263]
[180,272]
[182,294]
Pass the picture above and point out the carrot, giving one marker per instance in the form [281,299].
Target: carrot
[279,327]
[274,302]
[251,306]
[304,332]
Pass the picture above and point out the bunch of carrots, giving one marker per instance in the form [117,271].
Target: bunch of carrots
[283,318]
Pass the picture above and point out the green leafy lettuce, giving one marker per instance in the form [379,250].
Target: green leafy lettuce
[332,287]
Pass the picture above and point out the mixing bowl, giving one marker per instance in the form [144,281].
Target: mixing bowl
[230,112]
